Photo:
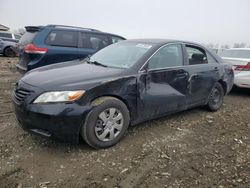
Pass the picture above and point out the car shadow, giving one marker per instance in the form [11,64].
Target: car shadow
[236,91]
[60,146]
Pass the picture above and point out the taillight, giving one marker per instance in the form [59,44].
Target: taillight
[32,49]
[242,67]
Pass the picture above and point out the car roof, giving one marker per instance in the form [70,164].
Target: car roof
[160,41]
[238,49]
[67,27]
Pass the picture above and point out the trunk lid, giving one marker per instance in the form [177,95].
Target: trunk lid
[236,62]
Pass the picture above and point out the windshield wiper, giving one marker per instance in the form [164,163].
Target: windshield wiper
[96,63]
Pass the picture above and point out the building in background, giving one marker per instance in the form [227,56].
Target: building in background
[4,28]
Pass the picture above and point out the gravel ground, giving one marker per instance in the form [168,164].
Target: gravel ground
[194,148]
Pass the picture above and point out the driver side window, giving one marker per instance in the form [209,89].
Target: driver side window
[167,56]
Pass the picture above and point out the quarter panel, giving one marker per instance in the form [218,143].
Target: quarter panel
[123,88]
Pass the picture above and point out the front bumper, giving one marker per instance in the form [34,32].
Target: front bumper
[58,121]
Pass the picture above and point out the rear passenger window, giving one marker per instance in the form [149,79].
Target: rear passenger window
[63,38]
[168,56]
[196,55]
[93,41]
[98,41]
[116,39]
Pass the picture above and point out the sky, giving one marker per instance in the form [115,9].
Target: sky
[203,21]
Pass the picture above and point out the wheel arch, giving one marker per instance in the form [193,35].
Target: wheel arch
[98,100]
[95,102]
[6,47]
[224,86]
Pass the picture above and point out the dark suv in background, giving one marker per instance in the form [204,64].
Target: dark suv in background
[45,45]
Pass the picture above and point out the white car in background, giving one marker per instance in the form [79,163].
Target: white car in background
[240,59]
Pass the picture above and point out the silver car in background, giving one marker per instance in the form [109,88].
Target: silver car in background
[240,59]
[6,48]
[8,36]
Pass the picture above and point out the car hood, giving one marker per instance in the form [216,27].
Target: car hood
[70,75]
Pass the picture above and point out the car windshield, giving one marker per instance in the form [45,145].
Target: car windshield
[120,55]
[236,53]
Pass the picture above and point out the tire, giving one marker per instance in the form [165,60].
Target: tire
[109,117]
[8,52]
[215,98]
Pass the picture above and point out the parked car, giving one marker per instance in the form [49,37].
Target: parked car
[240,59]
[45,45]
[121,85]
[8,36]
[6,48]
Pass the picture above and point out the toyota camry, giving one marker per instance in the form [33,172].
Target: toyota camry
[124,84]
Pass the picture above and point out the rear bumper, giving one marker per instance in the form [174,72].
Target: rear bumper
[21,69]
[242,79]
[57,121]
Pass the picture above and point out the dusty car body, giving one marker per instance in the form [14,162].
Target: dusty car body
[239,58]
[6,48]
[133,92]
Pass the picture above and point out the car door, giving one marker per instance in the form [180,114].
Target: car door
[85,46]
[90,43]
[204,72]
[163,86]
[62,46]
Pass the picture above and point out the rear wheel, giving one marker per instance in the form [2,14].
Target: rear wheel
[216,97]
[8,52]
[106,124]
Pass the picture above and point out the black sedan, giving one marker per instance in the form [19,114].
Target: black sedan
[123,84]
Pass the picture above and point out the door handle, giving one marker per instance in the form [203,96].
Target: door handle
[192,76]
[183,74]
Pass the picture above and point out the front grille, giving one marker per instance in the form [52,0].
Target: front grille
[20,94]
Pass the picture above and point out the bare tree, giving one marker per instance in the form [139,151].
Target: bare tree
[243,45]
[226,46]
[236,45]
[19,31]
[210,45]
[240,45]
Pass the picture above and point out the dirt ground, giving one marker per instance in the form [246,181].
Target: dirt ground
[194,148]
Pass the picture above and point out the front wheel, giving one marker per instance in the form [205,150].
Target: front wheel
[216,97]
[8,52]
[106,124]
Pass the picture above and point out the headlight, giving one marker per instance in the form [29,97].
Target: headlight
[59,96]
